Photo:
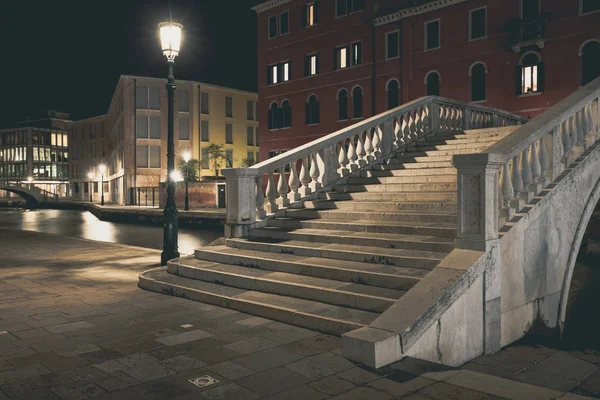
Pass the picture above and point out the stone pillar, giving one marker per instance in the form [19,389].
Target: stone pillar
[477,201]
[241,200]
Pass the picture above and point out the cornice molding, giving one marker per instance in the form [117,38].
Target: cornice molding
[408,12]
[268,5]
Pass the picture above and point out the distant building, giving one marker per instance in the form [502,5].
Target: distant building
[327,64]
[37,148]
[131,139]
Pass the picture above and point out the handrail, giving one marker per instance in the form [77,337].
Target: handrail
[330,159]
[519,166]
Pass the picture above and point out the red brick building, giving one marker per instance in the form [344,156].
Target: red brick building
[325,64]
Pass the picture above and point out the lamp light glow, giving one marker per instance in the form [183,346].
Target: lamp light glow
[170,39]
[187,156]
[176,175]
[102,168]
[91,175]
[29,179]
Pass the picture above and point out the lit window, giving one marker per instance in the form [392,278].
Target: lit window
[530,75]
[356,53]
[313,65]
[530,78]
[286,72]
[342,57]
[274,74]
[310,14]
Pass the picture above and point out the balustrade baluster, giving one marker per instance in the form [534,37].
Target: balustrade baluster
[282,189]
[360,152]
[508,191]
[526,168]
[517,177]
[418,124]
[293,183]
[304,178]
[377,141]
[536,167]
[271,206]
[352,158]
[565,139]
[368,148]
[260,199]
[544,162]
[572,131]
[397,132]
[343,161]
[314,173]
[425,120]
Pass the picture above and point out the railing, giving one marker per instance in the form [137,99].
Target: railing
[527,32]
[317,165]
[496,184]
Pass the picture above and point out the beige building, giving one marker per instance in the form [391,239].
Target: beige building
[131,139]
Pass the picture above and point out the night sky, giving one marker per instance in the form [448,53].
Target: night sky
[67,55]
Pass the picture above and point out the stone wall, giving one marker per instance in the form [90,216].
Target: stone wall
[201,194]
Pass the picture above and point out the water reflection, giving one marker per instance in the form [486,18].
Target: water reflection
[85,225]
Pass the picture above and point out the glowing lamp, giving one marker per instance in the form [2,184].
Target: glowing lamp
[170,39]
[91,175]
[176,176]
[187,156]
[102,168]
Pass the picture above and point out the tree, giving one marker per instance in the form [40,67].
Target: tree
[189,169]
[247,162]
[216,154]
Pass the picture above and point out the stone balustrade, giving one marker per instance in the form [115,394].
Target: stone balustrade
[496,185]
[263,189]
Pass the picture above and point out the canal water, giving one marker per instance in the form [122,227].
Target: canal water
[83,224]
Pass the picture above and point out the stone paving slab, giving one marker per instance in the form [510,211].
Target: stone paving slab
[74,325]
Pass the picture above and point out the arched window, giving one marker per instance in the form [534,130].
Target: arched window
[432,80]
[477,73]
[342,104]
[274,116]
[590,62]
[286,114]
[357,102]
[312,110]
[392,94]
[530,74]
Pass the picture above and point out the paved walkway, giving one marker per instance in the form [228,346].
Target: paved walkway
[74,325]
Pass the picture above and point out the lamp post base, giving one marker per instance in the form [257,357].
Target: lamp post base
[170,245]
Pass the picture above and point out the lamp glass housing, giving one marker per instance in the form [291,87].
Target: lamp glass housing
[102,168]
[170,39]
[187,156]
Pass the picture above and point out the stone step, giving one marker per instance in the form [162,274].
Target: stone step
[399,163]
[502,130]
[398,187]
[449,196]
[385,240]
[418,152]
[379,206]
[458,141]
[423,229]
[409,158]
[467,147]
[374,216]
[391,171]
[402,179]
[371,255]
[385,276]
[339,293]
[314,315]
[469,134]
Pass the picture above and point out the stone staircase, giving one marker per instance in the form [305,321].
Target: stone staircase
[338,262]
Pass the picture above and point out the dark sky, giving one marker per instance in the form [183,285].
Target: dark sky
[67,55]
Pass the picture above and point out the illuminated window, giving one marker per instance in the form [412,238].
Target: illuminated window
[286,72]
[278,73]
[530,79]
[311,14]
[342,58]
[530,75]
[311,65]
[356,53]
[274,73]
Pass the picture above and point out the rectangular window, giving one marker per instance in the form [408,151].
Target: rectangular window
[229,158]
[286,72]
[142,156]
[204,158]
[141,97]
[250,157]
[154,127]
[311,64]
[477,23]
[589,6]
[250,110]
[250,136]
[184,128]
[284,23]
[95,186]
[154,156]
[392,45]
[184,100]
[229,107]
[310,14]
[154,102]
[273,26]
[203,103]
[204,130]
[530,79]
[229,133]
[273,74]
[141,127]
[341,8]
[341,57]
[356,53]
[432,35]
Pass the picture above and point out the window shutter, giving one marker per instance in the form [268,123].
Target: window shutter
[348,55]
[280,73]
[541,76]
[279,118]
[305,16]
[306,65]
[317,56]
[271,119]
[269,75]
[335,59]
[317,112]
[307,113]
[316,11]
[519,80]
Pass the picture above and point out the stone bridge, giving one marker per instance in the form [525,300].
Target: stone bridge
[523,208]
[33,196]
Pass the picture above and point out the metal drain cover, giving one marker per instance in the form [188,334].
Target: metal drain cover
[204,381]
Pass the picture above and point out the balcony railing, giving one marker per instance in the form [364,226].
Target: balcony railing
[528,33]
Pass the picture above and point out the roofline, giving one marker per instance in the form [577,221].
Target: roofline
[88,119]
[412,11]
[268,5]
[193,82]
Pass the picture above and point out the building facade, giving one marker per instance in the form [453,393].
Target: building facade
[131,139]
[326,64]
[37,149]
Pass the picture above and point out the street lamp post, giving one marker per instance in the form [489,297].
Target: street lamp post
[102,169]
[91,176]
[186,157]
[170,37]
